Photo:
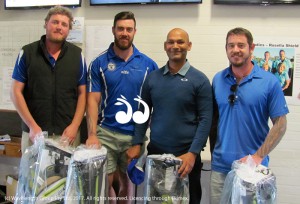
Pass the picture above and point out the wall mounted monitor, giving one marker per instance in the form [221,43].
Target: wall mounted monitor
[27,4]
[112,2]
[257,2]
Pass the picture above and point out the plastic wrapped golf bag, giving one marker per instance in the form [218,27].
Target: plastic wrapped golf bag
[247,183]
[43,172]
[163,184]
[87,180]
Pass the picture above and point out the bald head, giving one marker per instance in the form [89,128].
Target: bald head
[179,31]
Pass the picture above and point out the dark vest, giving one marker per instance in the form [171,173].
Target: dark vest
[51,92]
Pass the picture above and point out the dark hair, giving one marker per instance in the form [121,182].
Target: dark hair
[123,16]
[281,51]
[241,31]
[62,11]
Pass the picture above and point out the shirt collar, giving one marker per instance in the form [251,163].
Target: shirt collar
[254,73]
[50,58]
[183,70]
[112,54]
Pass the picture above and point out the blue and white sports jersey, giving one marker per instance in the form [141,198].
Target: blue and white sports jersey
[116,78]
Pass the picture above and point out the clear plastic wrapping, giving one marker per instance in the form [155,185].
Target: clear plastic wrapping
[87,180]
[163,184]
[247,183]
[43,172]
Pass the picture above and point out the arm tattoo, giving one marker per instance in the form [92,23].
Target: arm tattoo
[274,136]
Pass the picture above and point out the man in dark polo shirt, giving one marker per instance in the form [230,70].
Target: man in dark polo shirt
[181,98]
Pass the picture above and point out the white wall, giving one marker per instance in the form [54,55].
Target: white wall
[207,25]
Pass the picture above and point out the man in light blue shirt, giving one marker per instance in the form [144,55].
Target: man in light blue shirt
[245,98]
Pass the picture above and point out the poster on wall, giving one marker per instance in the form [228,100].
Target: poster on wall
[6,102]
[281,57]
[76,33]
[97,40]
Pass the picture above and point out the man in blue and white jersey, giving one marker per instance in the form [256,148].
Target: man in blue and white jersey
[115,79]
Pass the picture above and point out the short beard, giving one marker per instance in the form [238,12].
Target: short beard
[58,41]
[122,47]
[237,64]
[240,64]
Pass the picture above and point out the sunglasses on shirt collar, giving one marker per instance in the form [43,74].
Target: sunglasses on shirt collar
[233,97]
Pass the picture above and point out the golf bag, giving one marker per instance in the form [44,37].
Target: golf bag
[87,180]
[43,173]
[163,184]
[247,183]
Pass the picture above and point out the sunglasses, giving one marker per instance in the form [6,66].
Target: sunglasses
[233,97]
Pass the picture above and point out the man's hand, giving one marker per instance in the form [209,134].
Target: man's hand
[34,132]
[257,159]
[69,134]
[93,142]
[133,153]
[188,161]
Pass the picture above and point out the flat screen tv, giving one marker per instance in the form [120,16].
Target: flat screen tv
[111,2]
[257,2]
[27,4]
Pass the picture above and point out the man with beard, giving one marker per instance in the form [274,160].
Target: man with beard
[49,82]
[181,98]
[245,97]
[115,79]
